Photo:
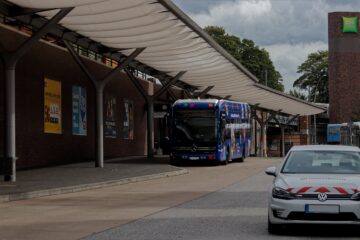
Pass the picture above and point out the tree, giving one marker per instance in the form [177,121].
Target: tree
[315,77]
[256,60]
[297,94]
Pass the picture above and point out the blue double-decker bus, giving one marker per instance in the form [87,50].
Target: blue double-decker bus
[211,129]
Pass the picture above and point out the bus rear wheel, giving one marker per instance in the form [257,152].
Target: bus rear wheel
[243,156]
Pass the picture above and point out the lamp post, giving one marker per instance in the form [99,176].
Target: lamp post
[315,128]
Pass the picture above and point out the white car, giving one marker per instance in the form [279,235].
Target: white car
[318,184]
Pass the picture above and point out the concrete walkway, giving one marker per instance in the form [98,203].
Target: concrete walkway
[80,214]
[84,176]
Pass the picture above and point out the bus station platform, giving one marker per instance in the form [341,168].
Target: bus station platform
[83,176]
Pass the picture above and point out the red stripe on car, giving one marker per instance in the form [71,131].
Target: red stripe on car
[322,190]
[303,190]
[341,190]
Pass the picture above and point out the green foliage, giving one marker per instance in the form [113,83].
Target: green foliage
[314,77]
[256,60]
[297,94]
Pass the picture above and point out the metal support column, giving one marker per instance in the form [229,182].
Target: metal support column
[255,139]
[262,140]
[10,60]
[282,140]
[315,130]
[10,123]
[99,85]
[283,126]
[150,127]
[150,106]
[99,126]
[261,123]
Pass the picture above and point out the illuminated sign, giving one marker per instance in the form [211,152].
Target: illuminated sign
[350,24]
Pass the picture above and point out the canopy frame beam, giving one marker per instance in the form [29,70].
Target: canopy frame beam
[10,60]
[99,85]
[149,99]
[203,93]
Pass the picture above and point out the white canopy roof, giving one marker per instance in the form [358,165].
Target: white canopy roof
[173,43]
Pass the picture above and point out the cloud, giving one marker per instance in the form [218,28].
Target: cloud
[267,22]
[288,29]
[287,57]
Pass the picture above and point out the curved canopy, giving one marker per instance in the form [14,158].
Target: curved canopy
[173,43]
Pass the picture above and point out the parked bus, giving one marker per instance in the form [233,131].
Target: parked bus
[211,129]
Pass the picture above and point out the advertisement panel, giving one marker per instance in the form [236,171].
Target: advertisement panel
[110,117]
[333,133]
[128,127]
[79,111]
[52,106]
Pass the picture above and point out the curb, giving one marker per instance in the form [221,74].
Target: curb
[89,186]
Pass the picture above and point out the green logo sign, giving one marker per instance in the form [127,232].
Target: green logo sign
[350,24]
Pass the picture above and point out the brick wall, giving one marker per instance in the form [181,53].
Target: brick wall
[34,147]
[344,69]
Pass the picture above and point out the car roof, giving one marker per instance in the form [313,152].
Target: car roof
[325,147]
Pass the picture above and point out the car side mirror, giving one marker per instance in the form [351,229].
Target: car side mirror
[271,171]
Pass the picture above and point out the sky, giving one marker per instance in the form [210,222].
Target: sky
[288,29]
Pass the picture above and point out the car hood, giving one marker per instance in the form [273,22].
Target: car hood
[328,183]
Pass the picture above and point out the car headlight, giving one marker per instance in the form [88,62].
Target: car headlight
[281,193]
[355,196]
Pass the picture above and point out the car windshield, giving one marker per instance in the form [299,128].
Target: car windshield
[333,162]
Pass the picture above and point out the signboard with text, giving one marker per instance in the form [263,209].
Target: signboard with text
[79,111]
[128,127]
[110,117]
[52,106]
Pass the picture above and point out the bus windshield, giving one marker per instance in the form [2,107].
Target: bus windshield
[194,126]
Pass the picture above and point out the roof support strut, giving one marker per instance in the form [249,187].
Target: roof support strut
[283,126]
[263,125]
[204,92]
[170,91]
[149,99]
[99,85]
[188,93]
[10,60]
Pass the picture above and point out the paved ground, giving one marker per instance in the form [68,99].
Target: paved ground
[81,214]
[72,175]
[236,212]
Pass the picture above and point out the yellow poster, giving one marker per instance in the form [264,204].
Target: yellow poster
[52,106]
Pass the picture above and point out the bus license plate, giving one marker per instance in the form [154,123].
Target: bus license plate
[313,208]
[194,158]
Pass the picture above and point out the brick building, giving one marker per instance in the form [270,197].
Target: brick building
[344,67]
